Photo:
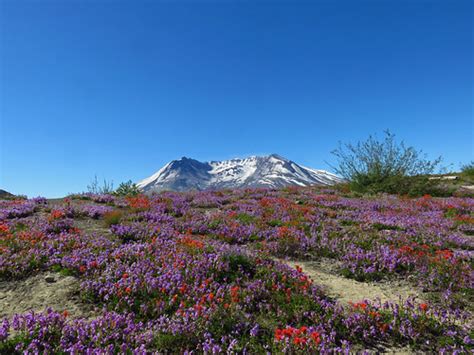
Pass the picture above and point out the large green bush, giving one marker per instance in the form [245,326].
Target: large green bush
[386,165]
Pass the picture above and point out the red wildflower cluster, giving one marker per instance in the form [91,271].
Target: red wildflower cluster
[266,202]
[55,214]
[423,250]
[424,201]
[4,230]
[414,249]
[446,254]
[234,294]
[191,243]
[139,202]
[298,336]
[360,306]
[284,232]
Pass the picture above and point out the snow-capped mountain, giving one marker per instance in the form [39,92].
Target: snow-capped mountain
[267,171]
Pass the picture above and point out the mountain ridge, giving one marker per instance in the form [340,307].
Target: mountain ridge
[271,171]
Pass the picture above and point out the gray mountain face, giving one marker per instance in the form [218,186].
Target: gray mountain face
[271,171]
[5,194]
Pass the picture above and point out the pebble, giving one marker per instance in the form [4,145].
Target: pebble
[49,279]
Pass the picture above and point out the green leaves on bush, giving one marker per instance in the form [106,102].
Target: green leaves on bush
[386,165]
[127,189]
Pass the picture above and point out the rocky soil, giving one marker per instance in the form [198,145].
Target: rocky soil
[36,293]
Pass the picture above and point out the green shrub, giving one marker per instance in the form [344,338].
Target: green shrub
[238,266]
[386,165]
[127,189]
[468,170]
[412,186]
[245,218]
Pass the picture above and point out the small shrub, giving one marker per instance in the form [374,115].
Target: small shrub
[238,266]
[127,189]
[95,188]
[112,218]
[468,170]
[288,245]
[245,218]
[382,226]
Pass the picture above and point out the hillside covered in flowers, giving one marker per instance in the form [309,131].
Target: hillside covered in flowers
[219,272]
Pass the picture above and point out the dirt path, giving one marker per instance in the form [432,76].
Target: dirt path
[348,290]
[41,291]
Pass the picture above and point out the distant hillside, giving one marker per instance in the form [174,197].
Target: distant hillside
[5,194]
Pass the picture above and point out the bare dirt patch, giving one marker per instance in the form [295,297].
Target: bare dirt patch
[92,226]
[348,290]
[36,293]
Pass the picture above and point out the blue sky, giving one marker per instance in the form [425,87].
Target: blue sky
[119,88]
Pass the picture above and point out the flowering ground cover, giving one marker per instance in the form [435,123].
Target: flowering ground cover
[200,272]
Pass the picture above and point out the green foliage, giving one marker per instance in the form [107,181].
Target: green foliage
[402,185]
[245,218]
[275,223]
[127,189]
[238,266]
[467,170]
[166,341]
[382,226]
[386,165]
[288,245]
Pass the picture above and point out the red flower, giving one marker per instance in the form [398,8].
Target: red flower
[139,202]
[299,341]
[424,307]
[362,306]
[55,214]
[234,293]
[4,229]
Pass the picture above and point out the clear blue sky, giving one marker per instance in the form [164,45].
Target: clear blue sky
[119,88]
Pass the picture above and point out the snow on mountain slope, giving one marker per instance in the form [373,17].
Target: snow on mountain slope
[268,171]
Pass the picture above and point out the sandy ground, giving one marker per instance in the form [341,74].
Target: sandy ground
[347,290]
[35,293]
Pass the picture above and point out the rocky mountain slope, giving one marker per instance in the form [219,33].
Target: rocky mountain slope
[256,171]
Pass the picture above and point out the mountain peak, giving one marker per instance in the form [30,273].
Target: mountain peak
[271,171]
[277,156]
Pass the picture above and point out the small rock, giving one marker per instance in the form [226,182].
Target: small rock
[49,279]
